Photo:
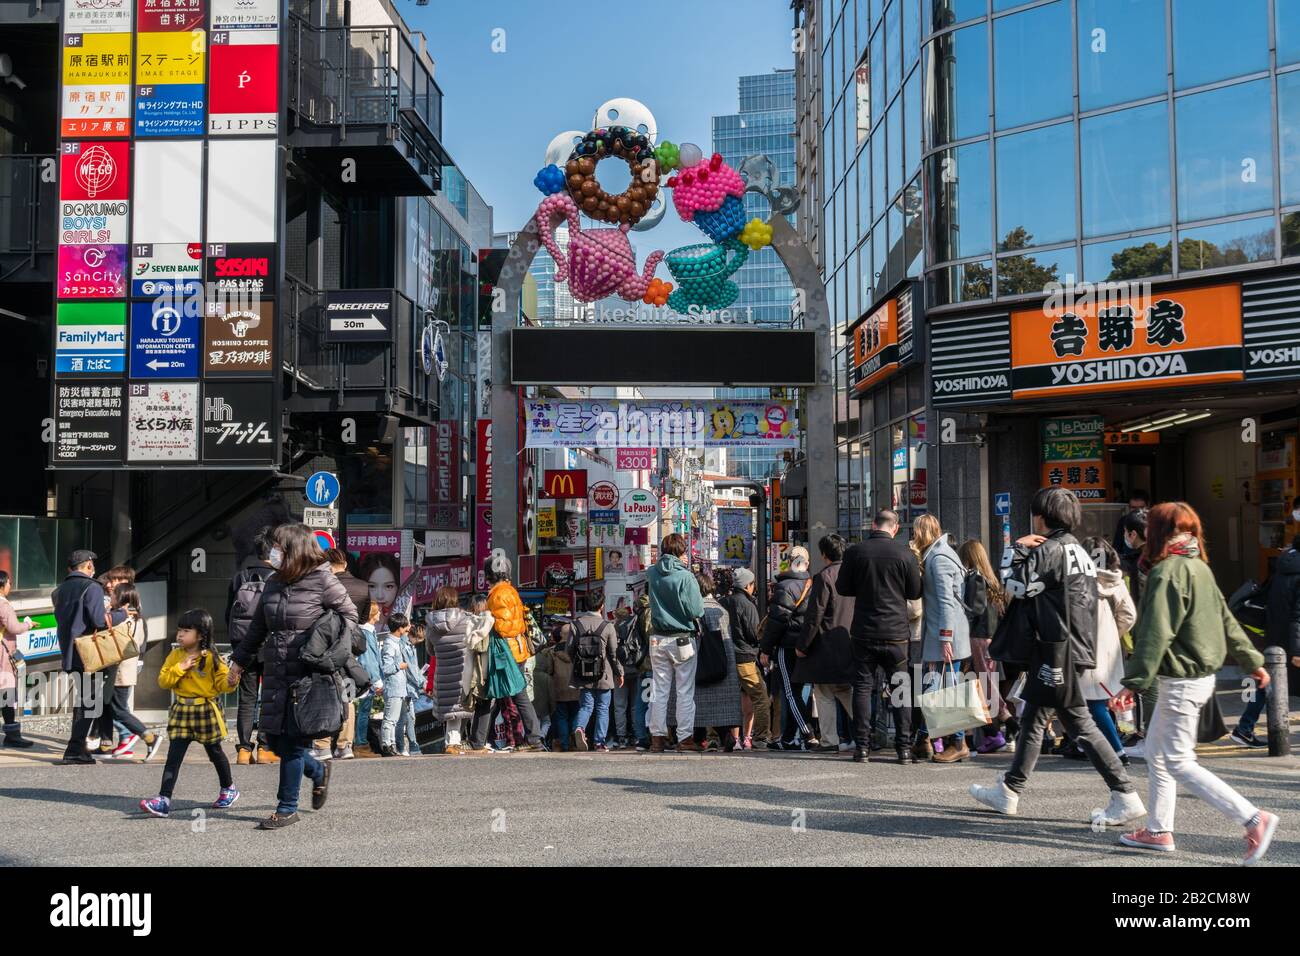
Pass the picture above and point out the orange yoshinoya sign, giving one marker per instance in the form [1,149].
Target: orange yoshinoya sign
[875,347]
[1160,339]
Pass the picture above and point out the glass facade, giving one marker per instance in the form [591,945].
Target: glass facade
[763,125]
[1178,155]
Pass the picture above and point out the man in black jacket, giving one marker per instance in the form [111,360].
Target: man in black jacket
[244,601]
[1282,620]
[785,615]
[1052,570]
[882,575]
[755,705]
[80,608]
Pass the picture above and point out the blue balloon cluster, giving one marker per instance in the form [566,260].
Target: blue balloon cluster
[550,180]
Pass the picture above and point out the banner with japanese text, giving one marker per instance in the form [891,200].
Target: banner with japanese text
[672,423]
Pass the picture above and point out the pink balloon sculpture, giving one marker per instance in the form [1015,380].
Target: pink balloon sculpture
[600,261]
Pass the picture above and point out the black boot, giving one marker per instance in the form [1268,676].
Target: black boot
[14,737]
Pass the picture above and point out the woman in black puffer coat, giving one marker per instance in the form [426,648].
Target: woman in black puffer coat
[301,590]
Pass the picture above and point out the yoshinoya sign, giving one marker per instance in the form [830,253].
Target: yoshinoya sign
[239,423]
[875,347]
[639,507]
[1115,343]
[358,315]
[88,418]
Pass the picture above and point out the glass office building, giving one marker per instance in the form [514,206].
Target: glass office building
[1090,212]
[763,124]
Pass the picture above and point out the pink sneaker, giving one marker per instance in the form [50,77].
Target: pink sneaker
[1259,836]
[748,743]
[1144,839]
[992,744]
[938,745]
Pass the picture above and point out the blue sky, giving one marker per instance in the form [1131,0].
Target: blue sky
[501,109]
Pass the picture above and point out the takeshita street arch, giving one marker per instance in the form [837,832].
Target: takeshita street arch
[600,262]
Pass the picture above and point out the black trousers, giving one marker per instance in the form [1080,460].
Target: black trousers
[121,713]
[891,659]
[485,715]
[247,709]
[94,703]
[798,709]
[176,753]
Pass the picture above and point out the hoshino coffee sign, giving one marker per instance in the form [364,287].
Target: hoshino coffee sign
[358,315]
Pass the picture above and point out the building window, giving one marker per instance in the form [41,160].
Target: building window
[1214,40]
[959,185]
[968,282]
[1288,31]
[1032,274]
[1226,244]
[1033,66]
[1288,124]
[958,77]
[1125,189]
[893,49]
[1121,259]
[945,13]
[1036,187]
[1225,151]
[1121,51]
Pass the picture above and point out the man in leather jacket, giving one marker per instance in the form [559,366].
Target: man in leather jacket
[1052,571]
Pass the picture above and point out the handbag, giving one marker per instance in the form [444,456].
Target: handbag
[711,668]
[959,706]
[1209,723]
[107,647]
[505,679]
[318,707]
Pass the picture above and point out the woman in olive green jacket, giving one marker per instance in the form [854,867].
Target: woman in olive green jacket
[1183,634]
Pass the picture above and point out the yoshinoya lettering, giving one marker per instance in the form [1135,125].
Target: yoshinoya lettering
[971,383]
[1284,356]
[1118,369]
[77,909]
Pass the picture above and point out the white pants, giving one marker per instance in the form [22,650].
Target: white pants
[453,733]
[826,695]
[1171,755]
[671,663]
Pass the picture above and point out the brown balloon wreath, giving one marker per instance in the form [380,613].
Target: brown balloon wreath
[580,175]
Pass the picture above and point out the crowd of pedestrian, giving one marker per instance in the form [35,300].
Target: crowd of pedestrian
[1100,636]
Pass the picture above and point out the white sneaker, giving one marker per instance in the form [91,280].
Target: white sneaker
[1137,752]
[1123,808]
[845,746]
[322,754]
[997,797]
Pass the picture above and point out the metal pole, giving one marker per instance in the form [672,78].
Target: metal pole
[1279,720]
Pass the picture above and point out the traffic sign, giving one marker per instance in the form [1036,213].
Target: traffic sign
[320,517]
[323,489]
[325,540]
[1002,503]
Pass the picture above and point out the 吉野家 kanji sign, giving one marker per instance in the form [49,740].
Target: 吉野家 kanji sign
[566,483]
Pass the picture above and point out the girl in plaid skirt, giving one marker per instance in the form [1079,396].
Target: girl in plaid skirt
[196,676]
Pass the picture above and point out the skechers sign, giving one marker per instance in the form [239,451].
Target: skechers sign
[358,315]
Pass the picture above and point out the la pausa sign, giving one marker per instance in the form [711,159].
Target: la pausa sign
[1178,338]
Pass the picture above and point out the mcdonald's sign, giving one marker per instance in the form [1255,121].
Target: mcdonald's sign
[567,483]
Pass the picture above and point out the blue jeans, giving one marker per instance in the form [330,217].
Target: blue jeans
[563,720]
[642,706]
[1105,721]
[1250,715]
[597,701]
[296,762]
[406,729]
[364,706]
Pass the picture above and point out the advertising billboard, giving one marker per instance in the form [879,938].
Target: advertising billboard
[162,422]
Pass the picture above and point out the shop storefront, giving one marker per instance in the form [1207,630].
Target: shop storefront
[1184,392]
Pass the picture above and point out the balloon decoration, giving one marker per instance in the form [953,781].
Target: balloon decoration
[634,149]
[705,191]
[550,180]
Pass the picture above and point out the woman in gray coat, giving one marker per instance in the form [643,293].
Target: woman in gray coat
[945,630]
[451,633]
[716,705]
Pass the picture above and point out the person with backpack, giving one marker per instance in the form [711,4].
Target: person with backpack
[675,606]
[746,637]
[631,648]
[1184,633]
[644,675]
[564,695]
[985,603]
[824,651]
[593,646]
[1278,625]
[294,600]
[945,628]
[243,604]
[785,616]
[1054,633]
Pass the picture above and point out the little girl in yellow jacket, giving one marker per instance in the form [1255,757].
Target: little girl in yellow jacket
[196,676]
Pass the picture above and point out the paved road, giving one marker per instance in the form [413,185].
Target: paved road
[621,808]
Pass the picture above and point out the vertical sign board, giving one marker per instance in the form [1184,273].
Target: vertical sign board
[90,338]
[162,422]
[444,476]
[237,339]
[170,55]
[1074,456]
[778,511]
[88,417]
[94,186]
[244,68]
[164,340]
[483,460]
[96,76]
[238,423]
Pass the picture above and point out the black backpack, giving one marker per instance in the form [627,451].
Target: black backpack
[631,648]
[247,600]
[711,667]
[588,658]
[1249,604]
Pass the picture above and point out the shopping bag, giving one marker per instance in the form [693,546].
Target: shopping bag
[104,648]
[957,706]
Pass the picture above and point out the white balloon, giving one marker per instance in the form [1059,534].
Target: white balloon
[652,218]
[558,152]
[626,112]
[689,154]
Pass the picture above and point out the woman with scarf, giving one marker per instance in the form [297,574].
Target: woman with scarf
[1184,632]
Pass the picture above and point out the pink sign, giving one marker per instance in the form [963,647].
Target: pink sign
[482,531]
[634,459]
[92,272]
[458,574]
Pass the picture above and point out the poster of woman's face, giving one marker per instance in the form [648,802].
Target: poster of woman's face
[613,561]
[382,574]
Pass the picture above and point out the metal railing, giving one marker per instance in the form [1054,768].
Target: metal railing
[28,206]
[341,76]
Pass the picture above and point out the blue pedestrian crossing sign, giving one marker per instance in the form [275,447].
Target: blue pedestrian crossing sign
[323,489]
[1002,503]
